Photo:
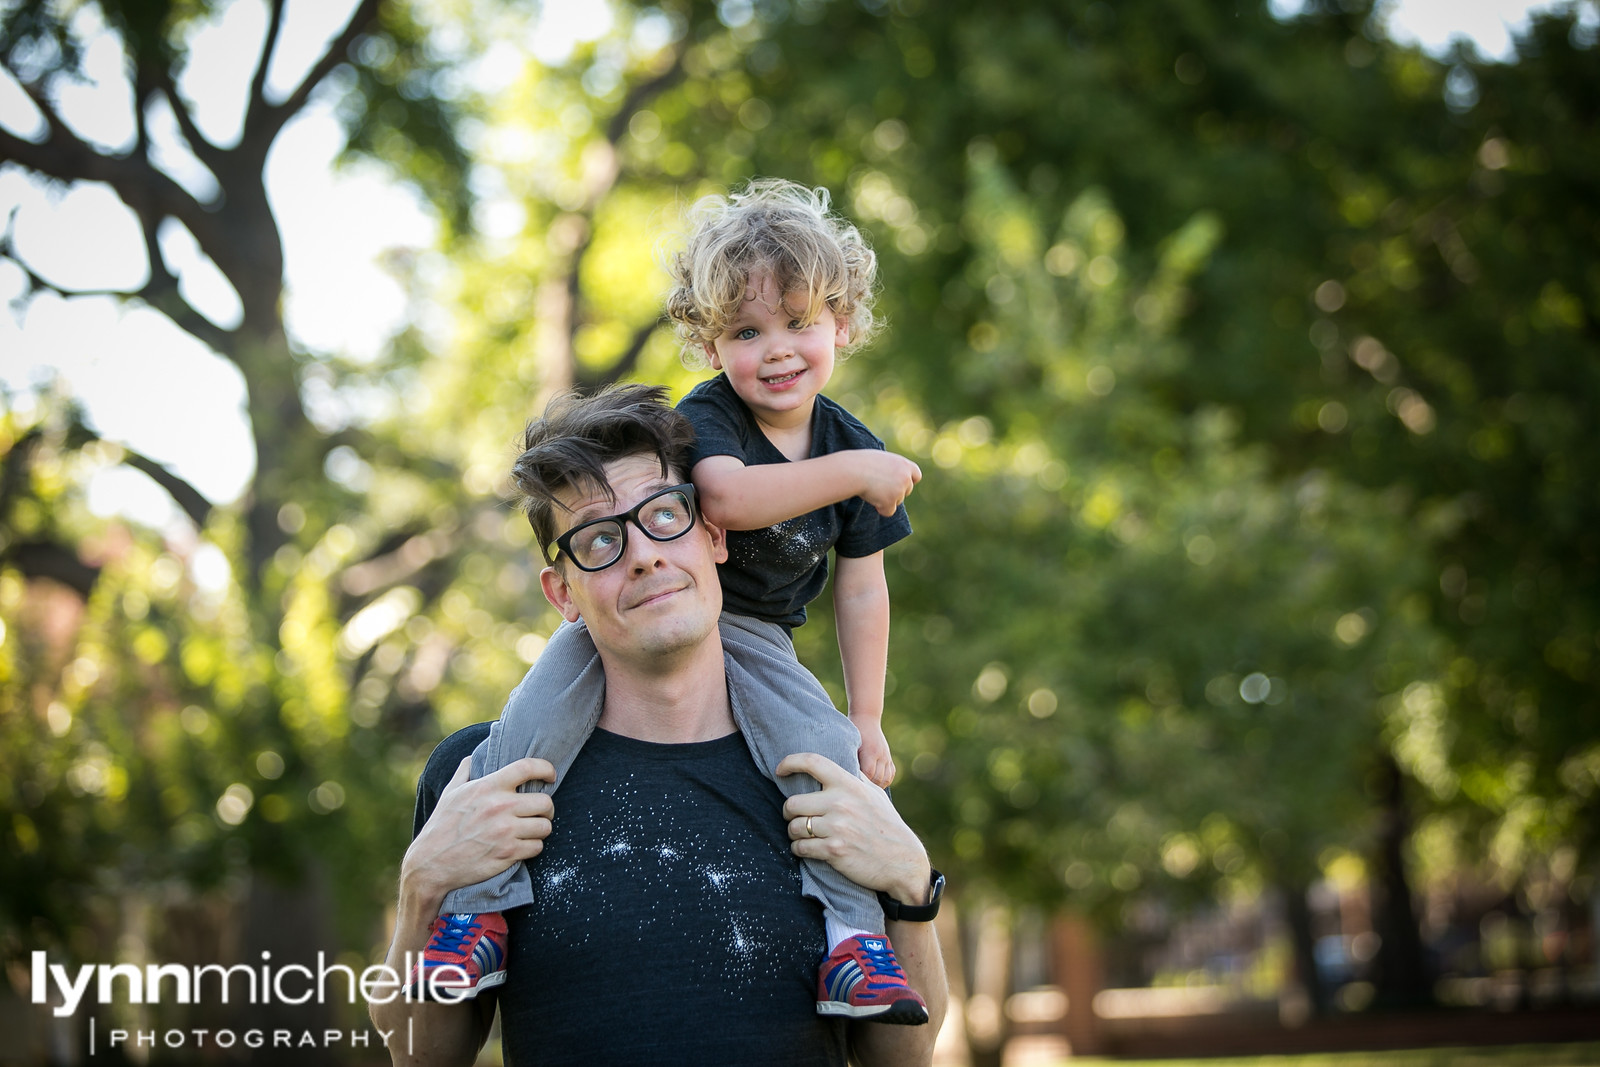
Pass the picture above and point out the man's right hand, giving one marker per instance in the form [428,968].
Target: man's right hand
[887,479]
[479,828]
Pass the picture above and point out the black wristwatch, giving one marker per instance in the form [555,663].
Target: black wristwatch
[915,913]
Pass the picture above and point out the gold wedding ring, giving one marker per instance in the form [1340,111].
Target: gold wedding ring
[809,831]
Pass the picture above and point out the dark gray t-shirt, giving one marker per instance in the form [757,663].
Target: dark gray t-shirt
[774,572]
[667,924]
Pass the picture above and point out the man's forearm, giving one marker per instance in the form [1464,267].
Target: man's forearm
[916,946]
[425,1033]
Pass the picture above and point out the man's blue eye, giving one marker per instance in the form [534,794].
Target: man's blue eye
[596,540]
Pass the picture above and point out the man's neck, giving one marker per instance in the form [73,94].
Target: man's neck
[674,701]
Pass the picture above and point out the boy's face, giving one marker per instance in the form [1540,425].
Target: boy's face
[776,365]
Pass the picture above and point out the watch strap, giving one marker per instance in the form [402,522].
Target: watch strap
[894,910]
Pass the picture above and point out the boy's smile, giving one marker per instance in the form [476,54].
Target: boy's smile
[776,365]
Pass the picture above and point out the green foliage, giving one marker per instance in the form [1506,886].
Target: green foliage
[1251,368]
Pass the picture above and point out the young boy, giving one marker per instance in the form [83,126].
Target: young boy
[769,288]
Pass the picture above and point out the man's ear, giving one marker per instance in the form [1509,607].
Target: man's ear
[719,540]
[712,357]
[559,593]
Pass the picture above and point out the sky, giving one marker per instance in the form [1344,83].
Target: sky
[146,383]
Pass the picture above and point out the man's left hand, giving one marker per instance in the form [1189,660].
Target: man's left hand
[851,824]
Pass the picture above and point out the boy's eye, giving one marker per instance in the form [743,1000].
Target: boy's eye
[747,334]
[796,324]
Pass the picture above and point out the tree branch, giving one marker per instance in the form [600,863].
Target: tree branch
[258,83]
[642,94]
[186,496]
[602,166]
[203,149]
[58,126]
[66,157]
[139,184]
[160,293]
[46,559]
[13,468]
[626,363]
[266,123]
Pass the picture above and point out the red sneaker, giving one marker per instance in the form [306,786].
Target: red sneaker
[862,980]
[473,947]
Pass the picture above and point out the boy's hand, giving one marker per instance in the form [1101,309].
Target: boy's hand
[876,763]
[888,479]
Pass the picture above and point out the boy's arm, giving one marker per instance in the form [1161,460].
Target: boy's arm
[861,616]
[737,497]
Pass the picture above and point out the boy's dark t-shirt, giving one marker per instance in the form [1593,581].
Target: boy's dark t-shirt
[667,924]
[774,572]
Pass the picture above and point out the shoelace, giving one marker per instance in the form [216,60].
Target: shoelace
[883,961]
[453,933]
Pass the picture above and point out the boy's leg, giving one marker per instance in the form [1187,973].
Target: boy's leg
[550,714]
[781,708]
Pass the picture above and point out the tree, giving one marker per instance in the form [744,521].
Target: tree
[184,715]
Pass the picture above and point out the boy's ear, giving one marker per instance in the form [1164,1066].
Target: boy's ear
[711,355]
[558,592]
[841,331]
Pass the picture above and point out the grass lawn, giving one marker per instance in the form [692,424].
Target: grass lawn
[1581,1055]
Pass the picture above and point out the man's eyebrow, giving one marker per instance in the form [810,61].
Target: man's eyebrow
[599,509]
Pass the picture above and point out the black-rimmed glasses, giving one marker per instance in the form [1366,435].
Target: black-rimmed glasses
[597,544]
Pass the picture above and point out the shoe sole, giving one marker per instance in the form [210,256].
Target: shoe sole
[900,1013]
[460,993]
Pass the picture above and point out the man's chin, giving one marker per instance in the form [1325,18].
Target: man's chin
[673,637]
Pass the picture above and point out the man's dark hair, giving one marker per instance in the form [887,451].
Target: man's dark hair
[569,447]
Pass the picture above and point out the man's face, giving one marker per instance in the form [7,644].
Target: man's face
[659,598]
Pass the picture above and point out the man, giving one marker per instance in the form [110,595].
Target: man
[668,924]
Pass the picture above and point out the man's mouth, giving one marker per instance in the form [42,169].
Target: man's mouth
[656,596]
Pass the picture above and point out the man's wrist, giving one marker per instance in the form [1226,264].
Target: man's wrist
[419,895]
[919,902]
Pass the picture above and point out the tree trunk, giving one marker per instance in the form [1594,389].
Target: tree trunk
[1079,972]
[987,938]
[1297,913]
[1401,973]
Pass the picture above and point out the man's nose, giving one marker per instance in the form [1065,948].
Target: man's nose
[641,553]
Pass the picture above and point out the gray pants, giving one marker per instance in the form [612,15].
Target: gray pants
[779,707]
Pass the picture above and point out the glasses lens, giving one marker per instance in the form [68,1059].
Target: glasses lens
[666,516]
[597,545]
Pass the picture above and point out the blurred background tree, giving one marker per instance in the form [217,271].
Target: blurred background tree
[184,722]
[1250,358]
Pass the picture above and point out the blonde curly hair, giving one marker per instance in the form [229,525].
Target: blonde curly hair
[775,225]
